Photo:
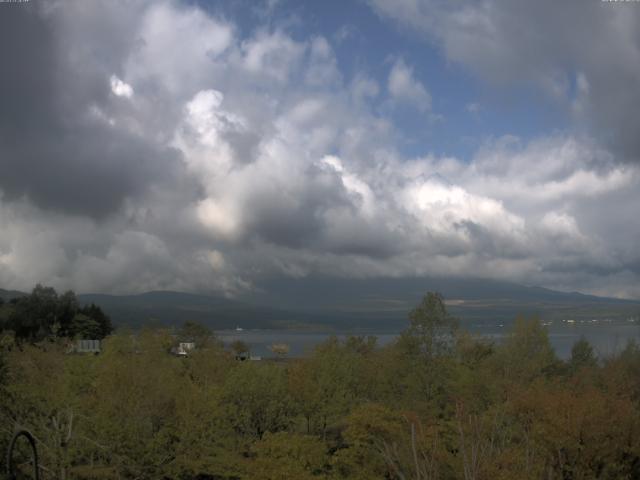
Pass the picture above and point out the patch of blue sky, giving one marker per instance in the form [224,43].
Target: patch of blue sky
[464,112]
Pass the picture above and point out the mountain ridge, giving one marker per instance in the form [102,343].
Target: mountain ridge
[331,303]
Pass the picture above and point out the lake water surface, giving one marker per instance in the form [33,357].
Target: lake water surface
[606,338]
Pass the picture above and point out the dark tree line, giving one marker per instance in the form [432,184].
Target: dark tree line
[44,314]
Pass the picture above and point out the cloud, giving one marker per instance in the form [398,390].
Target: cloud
[473,108]
[404,88]
[364,88]
[119,88]
[60,145]
[565,50]
[202,157]
[562,198]
[271,55]
[176,47]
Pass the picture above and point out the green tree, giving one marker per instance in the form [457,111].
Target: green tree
[239,347]
[95,312]
[383,443]
[327,384]
[47,395]
[33,316]
[3,369]
[431,328]
[289,455]
[44,313]
[67,308]
[257,399]
[423,354]
[84,327]
[575,430]
[622,372]
[582,355]
[204,443]
[4,314]
[526,352]
[196,332]
[370,429]
[133,409]
[360,344]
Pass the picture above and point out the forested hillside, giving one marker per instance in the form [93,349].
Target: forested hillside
[436,404]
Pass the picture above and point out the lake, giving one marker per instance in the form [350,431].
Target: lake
[606,338]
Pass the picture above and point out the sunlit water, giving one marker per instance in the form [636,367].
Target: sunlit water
[606,338]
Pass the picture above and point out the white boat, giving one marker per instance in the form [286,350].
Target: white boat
[238,329]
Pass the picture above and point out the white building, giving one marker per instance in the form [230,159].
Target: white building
[87,346]
[184,348]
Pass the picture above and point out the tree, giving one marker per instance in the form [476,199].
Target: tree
[103,320]
[43,313]
[85,327]
[382,443]
[578,431]
[369,429]
[133,408]
[289,455]
[67,309]
[582,355]
[196,332]
[622,372]
[4,313]
[431,328]
[34,315]
[327,384]
[361,344]
[526,352]
[423,353]
[239,347]
[3,369]
[257,400]
[46,396]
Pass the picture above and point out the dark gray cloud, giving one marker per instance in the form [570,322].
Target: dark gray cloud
[83,170]
[27,52]
[52,149]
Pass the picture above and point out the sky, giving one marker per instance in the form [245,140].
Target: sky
[207,146]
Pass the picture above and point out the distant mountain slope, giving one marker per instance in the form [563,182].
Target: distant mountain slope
[337,303]
[472,300]
[174,308]
[318,292]
[9,294]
